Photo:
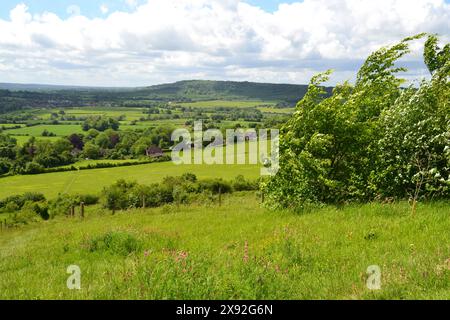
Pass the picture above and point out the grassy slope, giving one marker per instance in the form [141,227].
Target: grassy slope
[93,181]
[319,255]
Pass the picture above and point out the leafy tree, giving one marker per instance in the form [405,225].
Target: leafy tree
[345,147]
[91,151]
[7,146]
[77,141]
[435,57]
[100,124]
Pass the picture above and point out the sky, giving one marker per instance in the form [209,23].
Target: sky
[146,42]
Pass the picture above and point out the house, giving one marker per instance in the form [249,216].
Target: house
[154,152]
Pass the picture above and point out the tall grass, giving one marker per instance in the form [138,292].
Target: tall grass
[236,251]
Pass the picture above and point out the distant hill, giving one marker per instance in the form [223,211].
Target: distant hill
[19,96]
[51,87]
[206,90]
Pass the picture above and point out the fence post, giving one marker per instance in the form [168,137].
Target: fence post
[72,211]
[262,196]
[143,201]
[82,209]
[220,196]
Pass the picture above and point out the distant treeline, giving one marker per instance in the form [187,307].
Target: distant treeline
[183,91]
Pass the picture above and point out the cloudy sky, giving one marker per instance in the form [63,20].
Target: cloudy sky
[145,42]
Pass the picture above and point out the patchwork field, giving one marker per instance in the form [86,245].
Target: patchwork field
[236,251]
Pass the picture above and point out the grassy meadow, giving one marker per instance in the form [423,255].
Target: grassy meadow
[93,181]
[237,251]
[226,103]
[58,130]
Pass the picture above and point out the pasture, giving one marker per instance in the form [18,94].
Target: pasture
[36,131]
[225,103]
[22,139]
[237,251]
[93,181]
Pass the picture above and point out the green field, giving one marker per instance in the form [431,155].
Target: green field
[22,139]
[225,103]
[277,110]
[93,181]
[59,130]
[237,251]
[84,163]
[130,113]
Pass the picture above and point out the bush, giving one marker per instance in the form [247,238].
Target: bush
[87,199]
[33,168]
[214,186]
[16,202]
[116,197]
[62,205]
[241,184]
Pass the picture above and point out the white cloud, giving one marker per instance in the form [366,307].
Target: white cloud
[131,3]
[104,9]
[168,40]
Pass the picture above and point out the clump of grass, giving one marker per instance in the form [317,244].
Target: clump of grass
[120,243]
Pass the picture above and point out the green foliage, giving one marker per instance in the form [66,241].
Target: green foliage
[18,201]
[414,149]
[126,195]
[363,142]
[62,205]
[242,184]
[91,151]
[100,124]
[435,57]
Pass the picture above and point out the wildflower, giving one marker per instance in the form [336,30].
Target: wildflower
[246,252]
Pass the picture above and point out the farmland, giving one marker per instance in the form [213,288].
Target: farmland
[36,131]
[92,181]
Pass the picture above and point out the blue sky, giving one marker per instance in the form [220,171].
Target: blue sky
[156,41]
[91,8]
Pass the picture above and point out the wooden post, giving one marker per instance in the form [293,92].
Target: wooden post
[143,201]
[72,211]
[220,196]
[82,209]
[262,196]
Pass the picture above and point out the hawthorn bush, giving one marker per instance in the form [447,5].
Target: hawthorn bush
[371,140]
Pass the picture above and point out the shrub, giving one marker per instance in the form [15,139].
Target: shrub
[61,205]
[116,196]
[87,199]
[16,202]
[214,186]
[241,184]
[33,168]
